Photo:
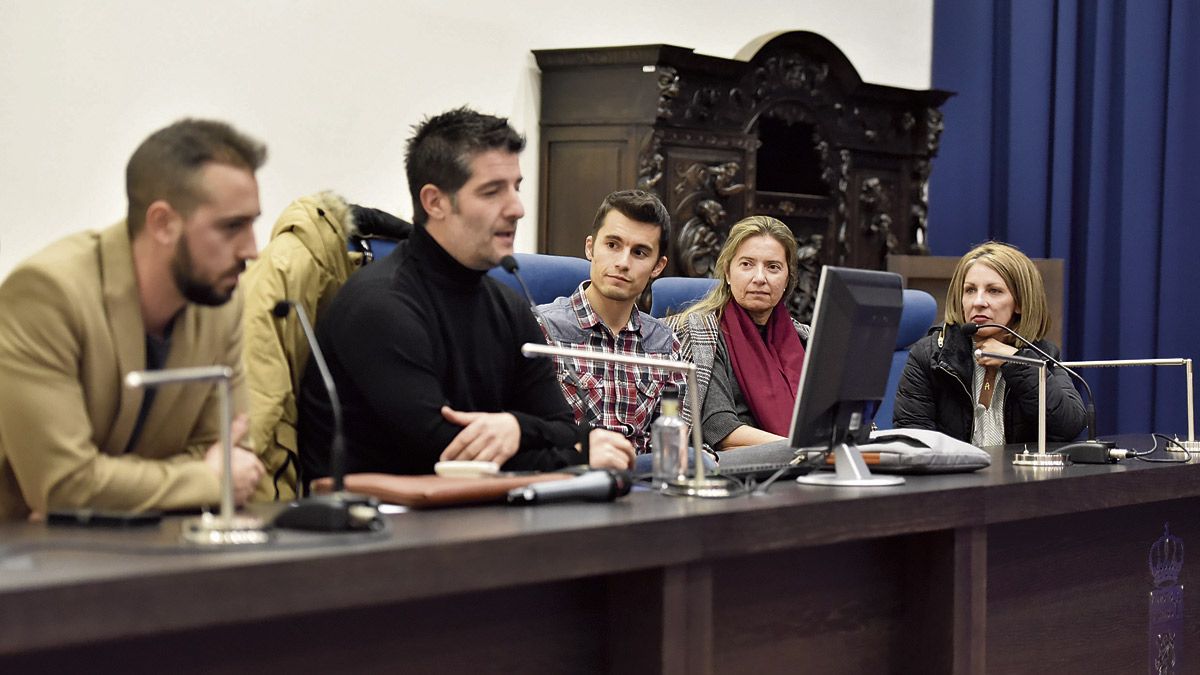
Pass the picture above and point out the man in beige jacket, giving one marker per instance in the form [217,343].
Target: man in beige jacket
[151,292]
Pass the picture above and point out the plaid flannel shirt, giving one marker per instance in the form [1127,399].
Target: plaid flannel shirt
[614,396]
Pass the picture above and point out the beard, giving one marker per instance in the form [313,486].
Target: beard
[190,286]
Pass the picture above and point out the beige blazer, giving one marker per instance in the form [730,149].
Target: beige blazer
[70,329]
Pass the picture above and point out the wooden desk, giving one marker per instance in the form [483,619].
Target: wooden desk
[1006,569]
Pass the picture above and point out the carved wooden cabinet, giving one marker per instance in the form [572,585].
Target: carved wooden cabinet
[792,132]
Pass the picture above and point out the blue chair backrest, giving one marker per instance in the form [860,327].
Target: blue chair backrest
[548,276]
[919,313]
[673,294]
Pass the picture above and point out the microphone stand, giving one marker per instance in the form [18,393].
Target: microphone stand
[1041,457]
[698,485]
[1092,446]
[1191,443]
[338,511]
[226,528]
[510,265]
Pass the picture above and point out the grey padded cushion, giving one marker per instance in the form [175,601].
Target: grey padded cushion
[924,452]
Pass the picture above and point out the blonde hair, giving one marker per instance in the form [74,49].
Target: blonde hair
[1031,317]
[753,226]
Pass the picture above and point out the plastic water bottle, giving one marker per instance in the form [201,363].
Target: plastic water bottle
[668,441]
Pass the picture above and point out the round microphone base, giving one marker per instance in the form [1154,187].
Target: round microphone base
[1041,459]
[210,530]
[335,512]
[834,480]
[1191,446]
[710,488]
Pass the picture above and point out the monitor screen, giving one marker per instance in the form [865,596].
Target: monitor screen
[849,354]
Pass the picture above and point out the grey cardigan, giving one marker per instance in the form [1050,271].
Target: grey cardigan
[701,341]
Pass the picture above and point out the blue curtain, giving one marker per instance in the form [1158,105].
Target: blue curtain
[1074,136]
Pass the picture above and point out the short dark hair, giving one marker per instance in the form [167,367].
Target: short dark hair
[639,206]
[440,151]
[166,164]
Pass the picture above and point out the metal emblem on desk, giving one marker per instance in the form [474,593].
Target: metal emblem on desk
[1164,631]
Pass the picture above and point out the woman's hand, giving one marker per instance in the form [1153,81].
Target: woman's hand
[996,347]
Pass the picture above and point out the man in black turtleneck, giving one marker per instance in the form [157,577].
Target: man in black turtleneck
[424,347]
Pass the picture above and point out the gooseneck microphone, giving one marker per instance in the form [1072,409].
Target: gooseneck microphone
[337,447]
[1089,451]
[599,485]
[509,263]
[339,510]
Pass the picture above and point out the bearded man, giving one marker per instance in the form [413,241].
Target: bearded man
[155,291]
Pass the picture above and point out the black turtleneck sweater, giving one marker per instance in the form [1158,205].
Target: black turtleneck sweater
[416,331]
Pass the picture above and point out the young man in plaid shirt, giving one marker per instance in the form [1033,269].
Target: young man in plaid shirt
[627,249]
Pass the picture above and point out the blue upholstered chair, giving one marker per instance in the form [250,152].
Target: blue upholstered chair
[919,313]
[548,276]
[673,294]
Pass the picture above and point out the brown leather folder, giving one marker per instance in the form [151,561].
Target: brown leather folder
[430,491]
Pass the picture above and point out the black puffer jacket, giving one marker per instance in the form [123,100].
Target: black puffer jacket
[935,392]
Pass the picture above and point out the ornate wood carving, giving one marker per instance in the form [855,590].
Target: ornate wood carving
[792,132]
[700,193]
[668,89]
[875,205]
[691,137]
[919,185]
[808,275]
[650,162]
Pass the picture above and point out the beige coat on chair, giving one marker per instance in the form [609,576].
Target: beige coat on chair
[306,261]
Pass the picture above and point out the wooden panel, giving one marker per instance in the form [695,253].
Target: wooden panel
[970,600]
[607,95]
[864,607]
[584,173]
[1070,593]
[661,621]
[549,628]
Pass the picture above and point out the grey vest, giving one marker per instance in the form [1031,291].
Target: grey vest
[558,317]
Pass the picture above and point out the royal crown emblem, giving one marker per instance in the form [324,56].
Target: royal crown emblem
[1166,558]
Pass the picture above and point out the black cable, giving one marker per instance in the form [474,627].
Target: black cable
[761,489]
[1170,441]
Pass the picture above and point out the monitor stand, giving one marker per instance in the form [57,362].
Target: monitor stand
[850,471]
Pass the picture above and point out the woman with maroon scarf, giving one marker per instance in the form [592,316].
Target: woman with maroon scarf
[747,348]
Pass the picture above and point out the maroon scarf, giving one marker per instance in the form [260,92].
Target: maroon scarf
[767,372]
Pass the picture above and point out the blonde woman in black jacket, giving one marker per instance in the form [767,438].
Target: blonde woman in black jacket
[985,401]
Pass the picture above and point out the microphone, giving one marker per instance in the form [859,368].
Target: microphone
[340,510]
[509,263]
[1087,450]
[600,485]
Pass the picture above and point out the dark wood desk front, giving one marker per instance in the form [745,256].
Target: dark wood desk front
[1004,570]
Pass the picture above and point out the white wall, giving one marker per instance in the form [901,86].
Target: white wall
[334,87]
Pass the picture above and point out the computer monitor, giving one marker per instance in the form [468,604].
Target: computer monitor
[845,373]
